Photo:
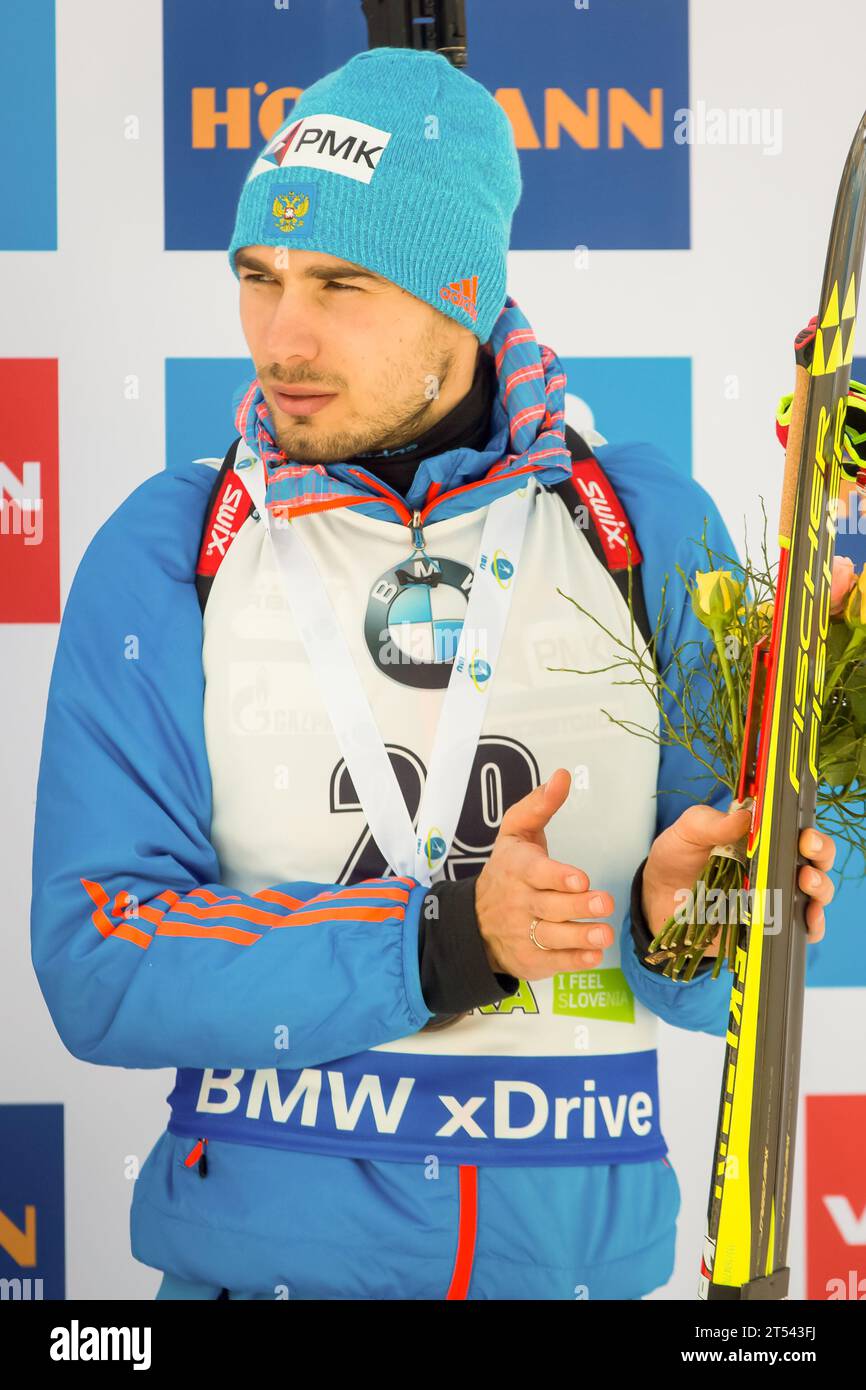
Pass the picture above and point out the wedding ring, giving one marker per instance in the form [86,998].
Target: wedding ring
[534,939]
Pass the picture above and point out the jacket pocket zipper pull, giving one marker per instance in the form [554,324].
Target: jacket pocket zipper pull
[199,1155]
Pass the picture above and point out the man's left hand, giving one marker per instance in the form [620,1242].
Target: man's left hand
[679,856]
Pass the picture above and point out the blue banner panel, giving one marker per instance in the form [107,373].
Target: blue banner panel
[634,398]
[28,150]
[592,95]
[198,406]
[594,117]
[32,1245]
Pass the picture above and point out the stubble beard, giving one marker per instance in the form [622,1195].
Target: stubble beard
[403,411]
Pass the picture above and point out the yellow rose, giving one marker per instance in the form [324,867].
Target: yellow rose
[762,612]
[855,607]
[715,598]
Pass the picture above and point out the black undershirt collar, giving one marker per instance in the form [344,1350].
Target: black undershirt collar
[466,426]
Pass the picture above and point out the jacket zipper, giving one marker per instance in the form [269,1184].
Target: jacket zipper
[467,1231]
[417,531]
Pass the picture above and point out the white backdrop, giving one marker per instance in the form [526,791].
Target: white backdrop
[110,302]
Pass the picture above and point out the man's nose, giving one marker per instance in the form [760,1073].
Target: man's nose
[294,329]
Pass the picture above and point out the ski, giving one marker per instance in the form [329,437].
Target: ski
[748,1215]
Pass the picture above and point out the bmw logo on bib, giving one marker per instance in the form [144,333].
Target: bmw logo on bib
[415,615]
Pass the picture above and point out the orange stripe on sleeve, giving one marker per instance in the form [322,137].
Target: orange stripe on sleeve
[255,915]
[152,914]
[272,895]
[99,896]
[207,896]
[235,934]
[331,914]
[210,921]
[125,930]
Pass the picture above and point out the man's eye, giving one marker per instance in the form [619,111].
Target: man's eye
[329,284]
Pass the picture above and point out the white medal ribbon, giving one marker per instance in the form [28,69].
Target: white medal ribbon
[409,853]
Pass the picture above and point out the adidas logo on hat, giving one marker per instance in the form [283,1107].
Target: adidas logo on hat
[463,293]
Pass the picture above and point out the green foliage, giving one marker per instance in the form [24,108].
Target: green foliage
[701,694]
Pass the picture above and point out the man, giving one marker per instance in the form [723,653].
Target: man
[421,1089]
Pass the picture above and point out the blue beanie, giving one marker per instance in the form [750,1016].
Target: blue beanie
[403,164]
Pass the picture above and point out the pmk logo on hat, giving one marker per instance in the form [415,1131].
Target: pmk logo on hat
[335,143]
[463,293]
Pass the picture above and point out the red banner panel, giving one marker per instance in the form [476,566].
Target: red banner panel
[29,492]
[836,1197]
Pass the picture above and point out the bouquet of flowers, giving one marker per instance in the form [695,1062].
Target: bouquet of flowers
[702,697]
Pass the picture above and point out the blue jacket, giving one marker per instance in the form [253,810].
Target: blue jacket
[124,808]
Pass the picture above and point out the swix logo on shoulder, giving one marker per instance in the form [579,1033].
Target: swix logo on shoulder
[230,510]
[335,143]
[611,522]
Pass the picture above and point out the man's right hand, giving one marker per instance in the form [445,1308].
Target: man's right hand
[519,882]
